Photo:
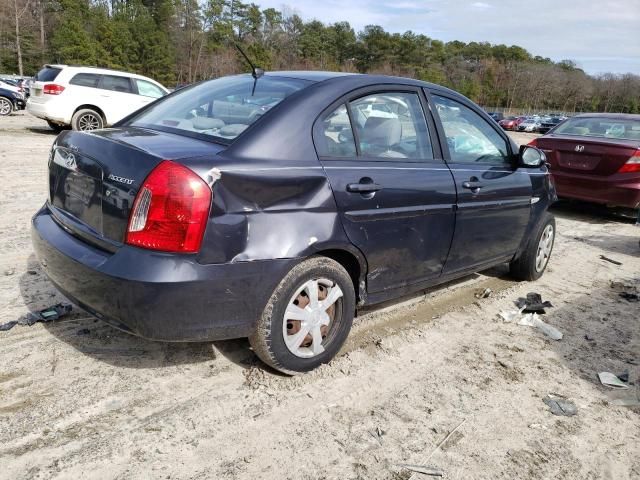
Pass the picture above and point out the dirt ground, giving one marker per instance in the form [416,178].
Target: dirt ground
[79,399]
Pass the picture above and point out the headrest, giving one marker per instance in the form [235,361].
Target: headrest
[382,131]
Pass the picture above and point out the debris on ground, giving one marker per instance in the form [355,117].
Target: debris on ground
[559,405]
[486,293]
[533,303]
[533,320]
[630,297]
[610,260]
[510,316]
[45,315]
[432,471]
[608,379]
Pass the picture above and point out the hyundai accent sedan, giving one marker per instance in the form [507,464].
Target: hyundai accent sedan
[183,223]
[596,157]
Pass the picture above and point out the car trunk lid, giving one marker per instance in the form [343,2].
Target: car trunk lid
[94,177]
[594,156]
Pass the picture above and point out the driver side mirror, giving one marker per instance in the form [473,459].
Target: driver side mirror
[531,157]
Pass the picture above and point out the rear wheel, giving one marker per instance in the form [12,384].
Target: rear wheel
[87,119]
[6,106]
[307,318]
[533,261]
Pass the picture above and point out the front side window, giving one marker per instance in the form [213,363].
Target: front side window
[85,80]
[148,89]
[218,109]
[116,83]
[469,136]
[391,125]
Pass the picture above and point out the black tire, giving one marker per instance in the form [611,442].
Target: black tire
[526,266]
[87,119]
[55,126]
[6,106]
[268,338]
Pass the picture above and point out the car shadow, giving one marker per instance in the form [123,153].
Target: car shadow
[600,334]
[590,212]
[42,130]
[102,342]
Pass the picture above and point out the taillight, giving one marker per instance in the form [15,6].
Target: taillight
[632,165]
[170,211]
[533,143]
[53,89]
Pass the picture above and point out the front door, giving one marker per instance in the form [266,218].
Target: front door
[494,195]
[394,193]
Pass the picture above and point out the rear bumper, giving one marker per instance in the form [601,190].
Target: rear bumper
[155,295]
[617,190]
[47,111]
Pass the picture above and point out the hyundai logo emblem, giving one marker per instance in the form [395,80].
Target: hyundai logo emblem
[579,148]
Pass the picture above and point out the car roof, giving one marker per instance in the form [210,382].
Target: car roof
[356,79]
[100,70]
[612,116]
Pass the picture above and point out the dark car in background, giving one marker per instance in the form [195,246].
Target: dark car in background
[596,157]
[497,116]
[348,190]
[10,101]
[547,124]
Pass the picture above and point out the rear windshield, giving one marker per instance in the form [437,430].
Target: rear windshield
[628,129]
[218,109]
[47,74]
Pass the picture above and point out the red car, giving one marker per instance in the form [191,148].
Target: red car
[511,123]
[596,157]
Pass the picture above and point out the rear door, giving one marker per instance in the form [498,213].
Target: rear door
[117,97]
[494,195]
[394,193]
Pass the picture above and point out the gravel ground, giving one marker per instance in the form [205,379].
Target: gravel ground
[79,399]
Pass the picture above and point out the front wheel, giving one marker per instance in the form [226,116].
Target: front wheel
[307,318]
[533,261]
[6,106]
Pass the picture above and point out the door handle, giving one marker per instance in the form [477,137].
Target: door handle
[363,187]
[472,185]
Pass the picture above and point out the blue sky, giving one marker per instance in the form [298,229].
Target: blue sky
[600,35]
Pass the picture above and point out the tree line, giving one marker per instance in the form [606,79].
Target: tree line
[183,41]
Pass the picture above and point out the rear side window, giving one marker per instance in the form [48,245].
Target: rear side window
[391,125]
[116,83]
[469,136]
[47,74]
[336,139]
[148,89]
[388,125]
[85,80]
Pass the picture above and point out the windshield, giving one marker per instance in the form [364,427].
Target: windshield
[628,129]
[220,109]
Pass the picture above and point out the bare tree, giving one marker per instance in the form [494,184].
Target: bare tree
[18,15]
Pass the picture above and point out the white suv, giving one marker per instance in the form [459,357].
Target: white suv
[88,98]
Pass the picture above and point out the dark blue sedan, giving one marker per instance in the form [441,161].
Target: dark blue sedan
[272,207]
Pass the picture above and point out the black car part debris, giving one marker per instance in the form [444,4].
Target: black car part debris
[46,315]
[610,260]
[533,303]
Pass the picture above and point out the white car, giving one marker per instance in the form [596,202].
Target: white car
[88,98]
